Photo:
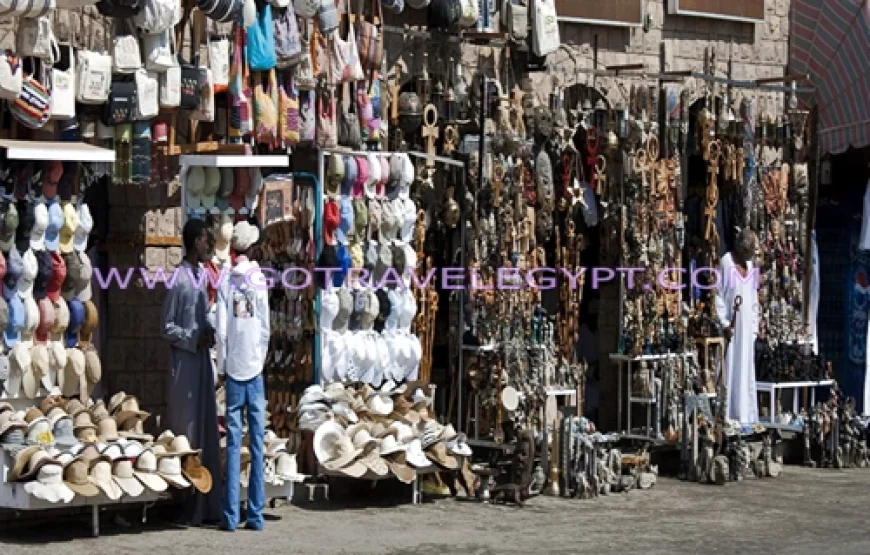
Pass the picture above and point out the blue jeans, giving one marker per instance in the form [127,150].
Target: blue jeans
[250,396]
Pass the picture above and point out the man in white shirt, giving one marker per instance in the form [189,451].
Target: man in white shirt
[242,342]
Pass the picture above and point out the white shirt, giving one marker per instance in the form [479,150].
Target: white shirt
[242,322]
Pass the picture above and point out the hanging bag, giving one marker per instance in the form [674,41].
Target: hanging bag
[35,38]
[120,108]
[32,107]
[261,42]
[470,12]
[147,103]
[160,51]
[288,42]
[63,79]
[219,62]
[222,11]
[444,13]
[353,60]
[170,88]
[516,15]
[265,111]
[11,76]
[545,27]
[304,71]
[349,126]
[157,16]
[307,116]
[241,112]
[288,112]
[126,57]
[205,109]
[94,75]
[326,132]
[191,76]
[339,70]
[327,17]
[371,38]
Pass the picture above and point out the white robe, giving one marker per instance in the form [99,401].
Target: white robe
[742,400]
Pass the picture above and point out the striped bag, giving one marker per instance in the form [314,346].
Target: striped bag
[32,108]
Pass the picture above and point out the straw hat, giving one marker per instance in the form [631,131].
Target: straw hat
[145,470]
[48,483]
[437,453]
[108,430]
[22,459]
[169,468]
[197,474]
[101,476]
[128,409]
[125,478]
[332,447]
[398,465]
[178,446]
[75,476]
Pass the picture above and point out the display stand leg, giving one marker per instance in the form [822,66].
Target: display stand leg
[95,521]
[773,405]
[619,397]
[415,491]
[628,394]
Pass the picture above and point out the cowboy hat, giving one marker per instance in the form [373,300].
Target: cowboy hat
[415,455]
[108,430]
[75,476]
[169,468]
[177,446]
[101,476]
[197,474]
[128,409]
[438,453]
[145,470]
[22,460]
[332,447]
[48,482]
[122,473]
[398,465]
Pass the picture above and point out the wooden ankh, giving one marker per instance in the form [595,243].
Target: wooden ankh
[430,132]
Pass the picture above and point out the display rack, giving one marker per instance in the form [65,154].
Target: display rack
[625,363]
[416,497]
[771,389]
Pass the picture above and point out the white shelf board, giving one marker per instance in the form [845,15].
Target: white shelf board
[60,151]
[236,160]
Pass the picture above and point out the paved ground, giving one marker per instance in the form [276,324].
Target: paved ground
[803,511]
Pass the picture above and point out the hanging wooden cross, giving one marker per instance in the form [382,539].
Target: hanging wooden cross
[713,155]
[430,132]
[741,165]
[498,175]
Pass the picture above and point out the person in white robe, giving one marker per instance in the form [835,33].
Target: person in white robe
[739,277]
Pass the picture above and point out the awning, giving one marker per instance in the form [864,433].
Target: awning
[830,42]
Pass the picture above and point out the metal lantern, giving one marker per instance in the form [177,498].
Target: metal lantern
[450,106]
[424,84]
[601,115]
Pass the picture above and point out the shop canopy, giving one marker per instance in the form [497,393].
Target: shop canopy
[830,42]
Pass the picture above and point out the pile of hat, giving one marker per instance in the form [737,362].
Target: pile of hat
[46,312]
[363,432]
[63,448]
[279,460]
[367,335]
[221,191]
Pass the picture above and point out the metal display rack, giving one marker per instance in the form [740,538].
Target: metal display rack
[625,363]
